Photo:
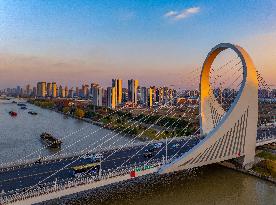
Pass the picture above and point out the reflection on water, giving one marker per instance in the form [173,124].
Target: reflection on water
[20,136]
[207,185]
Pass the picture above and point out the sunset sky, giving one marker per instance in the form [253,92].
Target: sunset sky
[157,42]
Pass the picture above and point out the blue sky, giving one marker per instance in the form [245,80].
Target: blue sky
[74,41]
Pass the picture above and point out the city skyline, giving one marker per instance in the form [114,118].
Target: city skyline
[157,42]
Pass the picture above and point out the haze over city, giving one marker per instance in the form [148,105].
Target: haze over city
[157,42]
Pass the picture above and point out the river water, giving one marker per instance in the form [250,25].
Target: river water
[208,185]
[20,136]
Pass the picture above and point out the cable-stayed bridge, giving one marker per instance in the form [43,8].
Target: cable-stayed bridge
[228,129]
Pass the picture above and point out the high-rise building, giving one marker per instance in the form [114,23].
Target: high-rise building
[150,96]
[34,91]
[153,93]
[28,90]
[18,89]
[97,96]
[111,97]
[77,92]
[117,83]
[144,96]
[54,89]
[132,90]
[104,97]
[125,94]
[71,93]
[66,92]
[49,89]
[85,91]
[60,91]
[41,89]
[93,85]
[159,95]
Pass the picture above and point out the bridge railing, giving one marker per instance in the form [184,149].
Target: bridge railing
[50,187]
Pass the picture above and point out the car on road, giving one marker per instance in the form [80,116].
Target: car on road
[84,169]
[150,151]
[158,145]
[148,154]
[98,156]
[94,157]
[175,145]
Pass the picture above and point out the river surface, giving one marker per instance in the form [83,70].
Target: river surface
[20,136]
[209,185]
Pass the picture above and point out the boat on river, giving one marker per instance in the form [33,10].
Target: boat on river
[50,140]
[32,113]
[21,104]
[13,114]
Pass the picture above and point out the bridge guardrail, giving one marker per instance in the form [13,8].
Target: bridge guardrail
[47,188]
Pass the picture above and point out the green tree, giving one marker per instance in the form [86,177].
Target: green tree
[90,113]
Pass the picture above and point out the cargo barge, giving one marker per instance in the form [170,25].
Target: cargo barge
[50,141]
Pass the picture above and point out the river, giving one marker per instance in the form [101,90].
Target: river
[208,185]
[20,135]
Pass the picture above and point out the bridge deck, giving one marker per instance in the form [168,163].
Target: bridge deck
[21,177]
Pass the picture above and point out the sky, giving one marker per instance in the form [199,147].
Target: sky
[156,42]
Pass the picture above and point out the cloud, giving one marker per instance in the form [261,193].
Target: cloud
[170,13]
[175,15]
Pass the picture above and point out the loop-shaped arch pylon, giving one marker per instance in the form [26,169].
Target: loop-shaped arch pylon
[228,134]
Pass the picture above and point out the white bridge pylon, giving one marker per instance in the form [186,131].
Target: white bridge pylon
[228,134]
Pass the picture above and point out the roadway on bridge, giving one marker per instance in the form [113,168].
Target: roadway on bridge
[27,176]
[31,175]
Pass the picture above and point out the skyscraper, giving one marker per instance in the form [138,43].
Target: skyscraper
[49,89]
[150,96]
[144,96]
[34,91]
[60,94]
[159,92]
[66,92]
[93,85]
[117,84]
[132,90]
[18,88]
[125,94]
[85,91]
[54,89]
[111,97]
[28,90]
[77,92]
[71,93]
[41,89]
[97,96]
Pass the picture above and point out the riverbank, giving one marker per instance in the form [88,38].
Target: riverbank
[141,126]
[250,172]
[101,124]
[264,166]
